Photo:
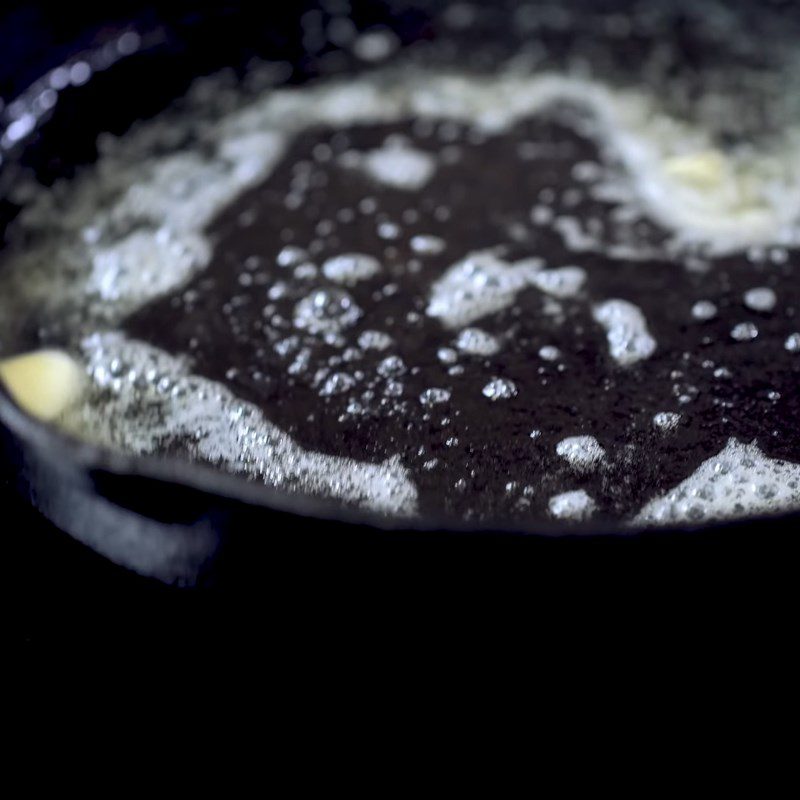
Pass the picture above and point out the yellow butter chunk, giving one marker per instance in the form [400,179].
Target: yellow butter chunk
[43,383]
[704,170]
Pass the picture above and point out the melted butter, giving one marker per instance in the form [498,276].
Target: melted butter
[44,384]
[704,170]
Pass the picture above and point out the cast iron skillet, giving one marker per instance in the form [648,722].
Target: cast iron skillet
[174,521]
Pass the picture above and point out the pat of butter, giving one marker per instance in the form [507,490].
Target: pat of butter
[43,383]
[705,170]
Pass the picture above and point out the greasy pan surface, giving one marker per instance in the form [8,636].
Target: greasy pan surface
[171,520]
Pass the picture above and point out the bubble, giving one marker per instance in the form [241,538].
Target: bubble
[666,420]
[792,343]
[375,45]
[744,332]
[351,268]
[80,72]
[301,362]
[761,299]
[704,310]
[392,367]
[338,383]
[447,355]
[375,340]
[128,43]
[328,310]
[479,285]
[587,171]
[368,205]
[629,340]
[19,129]
[500,389]
[434,396]
[427,245]
[582,452]
[459,15]
[549,353]
[393,388]
[398,166]
[563,282]
[291,256]
[574,506]
[739,481]
[542,215]
[476,342]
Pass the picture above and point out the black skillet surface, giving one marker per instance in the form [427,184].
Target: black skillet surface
[176,522]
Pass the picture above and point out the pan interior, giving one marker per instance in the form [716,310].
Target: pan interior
[537,264]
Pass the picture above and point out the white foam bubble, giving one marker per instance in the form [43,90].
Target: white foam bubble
[740,481]
[328,310]
[131,272]
[792,343]
[476,342]
[500,389]
[434,396]
[574,506]
[375,340]
[483,284]
[338,383]
[704,310]
[761,299]
[479,285]
[351,268]
[629,340]
[562,282]
[549,353]
[666,420]
[427,245]
[291,256]
[392,367]
[399,166]
[583,453]
[376,45]
[744,332]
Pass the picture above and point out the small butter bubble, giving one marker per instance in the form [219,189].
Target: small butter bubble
[704,310]
[433,397]
[744,332]
[351,268]
[582,452]
[500,389]
[760,299]
[575,506]
[666,420]
[792,343]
